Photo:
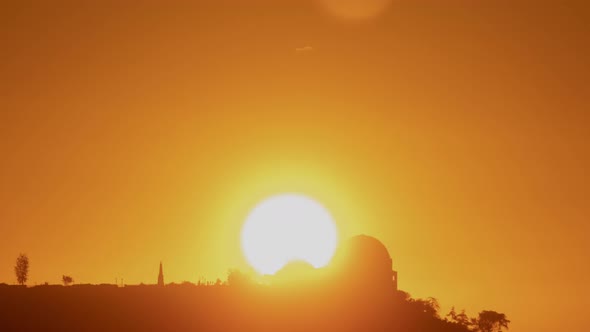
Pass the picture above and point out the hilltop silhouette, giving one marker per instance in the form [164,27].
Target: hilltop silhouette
[358,292]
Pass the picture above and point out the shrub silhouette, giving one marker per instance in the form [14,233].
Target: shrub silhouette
[67,280]
[487,321]
[238,278]
[492,321]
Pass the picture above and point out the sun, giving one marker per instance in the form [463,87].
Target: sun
[286,228]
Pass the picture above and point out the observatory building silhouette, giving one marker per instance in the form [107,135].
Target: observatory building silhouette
[364,261]
[361,265]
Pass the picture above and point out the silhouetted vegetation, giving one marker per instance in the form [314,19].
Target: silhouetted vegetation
[487,321]
[238,278]
[428,306]
[67,280]
[460,318]
[22,269]
[491,321]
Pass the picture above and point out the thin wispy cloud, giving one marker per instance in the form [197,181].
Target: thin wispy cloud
[304,49]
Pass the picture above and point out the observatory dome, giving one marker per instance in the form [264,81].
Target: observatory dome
[364,260]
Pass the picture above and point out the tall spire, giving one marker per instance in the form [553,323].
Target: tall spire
[161,276]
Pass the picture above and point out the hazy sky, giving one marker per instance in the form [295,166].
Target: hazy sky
[457,132]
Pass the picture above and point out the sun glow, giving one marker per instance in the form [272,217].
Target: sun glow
[286,228]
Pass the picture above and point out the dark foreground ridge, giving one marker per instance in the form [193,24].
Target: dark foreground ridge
[188,307]
[358,292]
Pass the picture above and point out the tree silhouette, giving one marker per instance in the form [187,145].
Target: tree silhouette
[452,316]
[67,280]
[22,269]
[491,321]
[433,306]
[461,318]
[428,306]
[238,278]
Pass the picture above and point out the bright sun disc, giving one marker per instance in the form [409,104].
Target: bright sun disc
[286,228]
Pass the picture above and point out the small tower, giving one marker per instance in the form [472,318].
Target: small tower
[161,276]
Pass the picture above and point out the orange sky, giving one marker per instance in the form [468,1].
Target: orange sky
[457,132]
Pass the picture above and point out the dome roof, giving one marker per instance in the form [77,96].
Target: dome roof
[364,264]
[363,252]
[367,248]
